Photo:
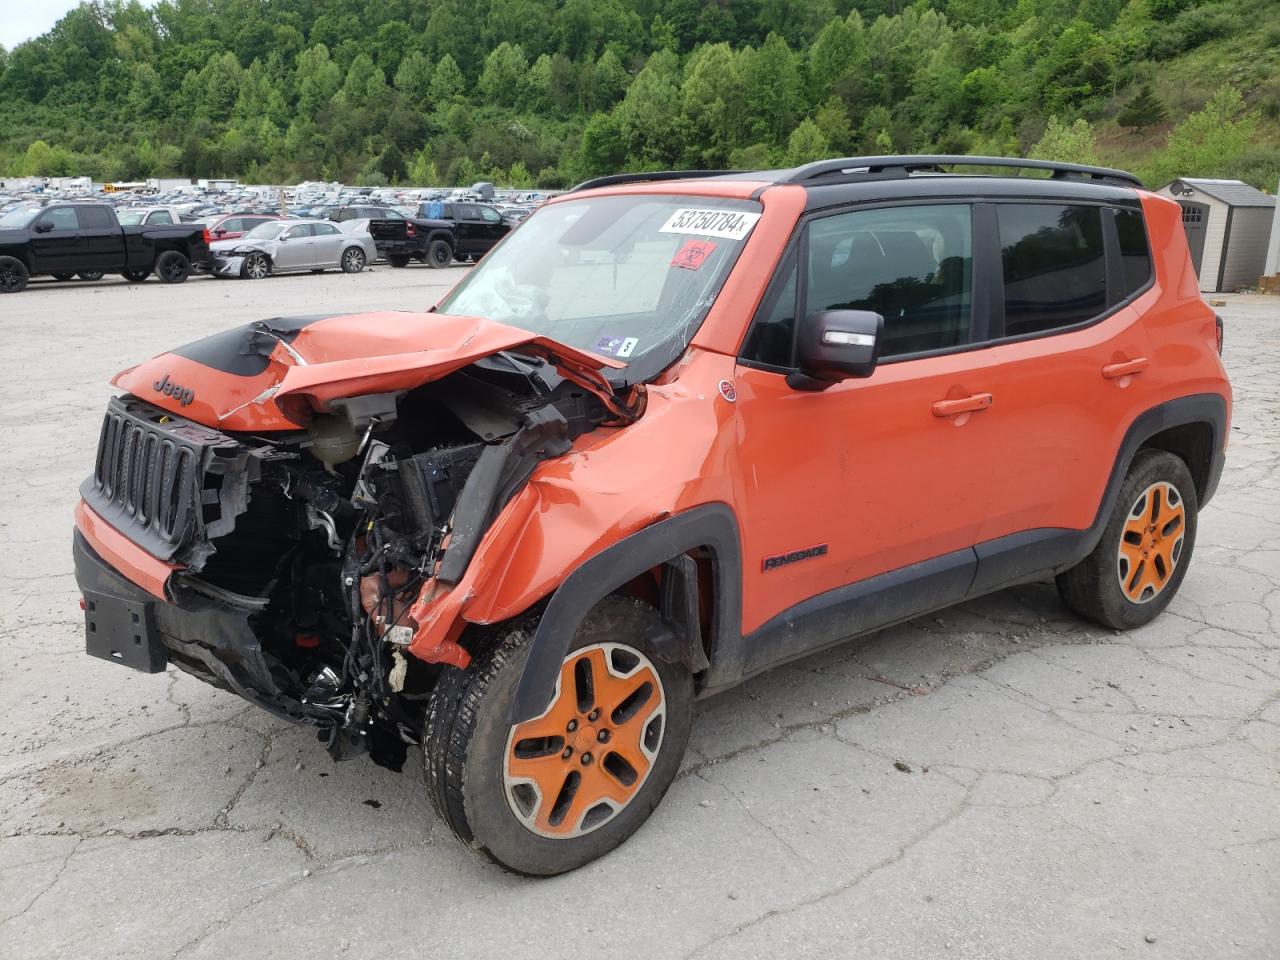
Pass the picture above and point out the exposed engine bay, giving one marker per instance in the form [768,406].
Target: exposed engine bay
[302,551]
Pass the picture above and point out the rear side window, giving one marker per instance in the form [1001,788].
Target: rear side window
[1054,267]
[324,229]
[95,218]
[464,211]
[1135,256]
[912,265]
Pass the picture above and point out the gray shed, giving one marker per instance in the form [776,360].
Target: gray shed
[1228,224]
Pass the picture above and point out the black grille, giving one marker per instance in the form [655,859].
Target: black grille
[160,479]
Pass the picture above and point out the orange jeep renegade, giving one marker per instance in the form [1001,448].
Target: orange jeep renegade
[676,429]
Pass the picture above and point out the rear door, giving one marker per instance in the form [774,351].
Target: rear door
[104,247]
[1064,370]
[328,244]
[56,241]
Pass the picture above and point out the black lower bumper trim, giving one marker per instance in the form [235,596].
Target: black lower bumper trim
[211,639]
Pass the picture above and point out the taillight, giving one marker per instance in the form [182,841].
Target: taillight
[207,239]
[1218,321]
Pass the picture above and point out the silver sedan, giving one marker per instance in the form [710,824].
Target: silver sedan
[284,246]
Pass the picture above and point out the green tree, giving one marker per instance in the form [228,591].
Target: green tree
[318,80]
[413,79]
[365,85]
[1066,143]
[771,85]
[806,144]
[1144,110]
[422,170]
[505,75]
[1209,142]
[447,82]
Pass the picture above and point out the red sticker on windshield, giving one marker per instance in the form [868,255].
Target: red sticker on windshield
[692,254]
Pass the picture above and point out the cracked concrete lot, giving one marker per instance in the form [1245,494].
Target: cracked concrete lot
[998,780]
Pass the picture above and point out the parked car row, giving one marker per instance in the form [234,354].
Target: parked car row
[88,239]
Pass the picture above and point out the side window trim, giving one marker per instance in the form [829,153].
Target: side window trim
[1111,257]
[987,320]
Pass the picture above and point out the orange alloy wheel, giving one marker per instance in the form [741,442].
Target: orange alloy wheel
[578,765]
[1151,542]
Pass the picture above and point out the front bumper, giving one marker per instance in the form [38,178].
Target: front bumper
[209,637]
[226,266]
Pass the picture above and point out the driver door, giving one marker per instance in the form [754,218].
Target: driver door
[57,242]
[867,478]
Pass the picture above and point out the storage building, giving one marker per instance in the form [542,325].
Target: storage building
[1228,224]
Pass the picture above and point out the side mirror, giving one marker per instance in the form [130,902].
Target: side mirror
[44,226]
[836,345]
[219,233]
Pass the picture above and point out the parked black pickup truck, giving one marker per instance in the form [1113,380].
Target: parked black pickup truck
[477,227]
[66,240]
[442,231]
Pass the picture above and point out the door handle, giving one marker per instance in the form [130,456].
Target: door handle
[1126,368]
[973,404]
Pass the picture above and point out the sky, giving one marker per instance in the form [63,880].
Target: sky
[23,19]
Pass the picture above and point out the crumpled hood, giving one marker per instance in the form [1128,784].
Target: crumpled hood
[270,375]
[226,246]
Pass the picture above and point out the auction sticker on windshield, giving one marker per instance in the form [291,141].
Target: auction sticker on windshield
[729,224]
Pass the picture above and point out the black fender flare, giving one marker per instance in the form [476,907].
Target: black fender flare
[713,526]
[1208,408]
[441,234]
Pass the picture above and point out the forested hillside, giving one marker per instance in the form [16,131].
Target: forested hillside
[551,91]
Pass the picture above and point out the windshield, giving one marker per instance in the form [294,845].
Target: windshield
[628,277]
[131,218]
[265,231]
[20,217]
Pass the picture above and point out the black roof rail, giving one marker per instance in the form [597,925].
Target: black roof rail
[617,179]
[890,168]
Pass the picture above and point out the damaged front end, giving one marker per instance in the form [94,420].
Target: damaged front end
[295,555]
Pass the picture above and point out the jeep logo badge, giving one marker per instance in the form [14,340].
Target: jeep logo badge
[184,395]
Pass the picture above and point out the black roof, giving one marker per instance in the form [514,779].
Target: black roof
[928,174]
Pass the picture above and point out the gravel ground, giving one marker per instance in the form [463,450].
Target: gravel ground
[999,780]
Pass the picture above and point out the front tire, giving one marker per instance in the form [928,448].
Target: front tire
[90,275]
[550,794]
[13,275]
[256,266]
[136,276]
[1140,562]
[64,277]
[353,260]
[172,267]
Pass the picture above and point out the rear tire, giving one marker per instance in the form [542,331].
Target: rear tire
[608,746]
[64,277]
[13,275]
[136,276]
[90,275]
[353,260]
[439,254]
[1142,557]
[172,267]
[399,260]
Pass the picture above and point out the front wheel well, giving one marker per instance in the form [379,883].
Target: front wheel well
[1194,444]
